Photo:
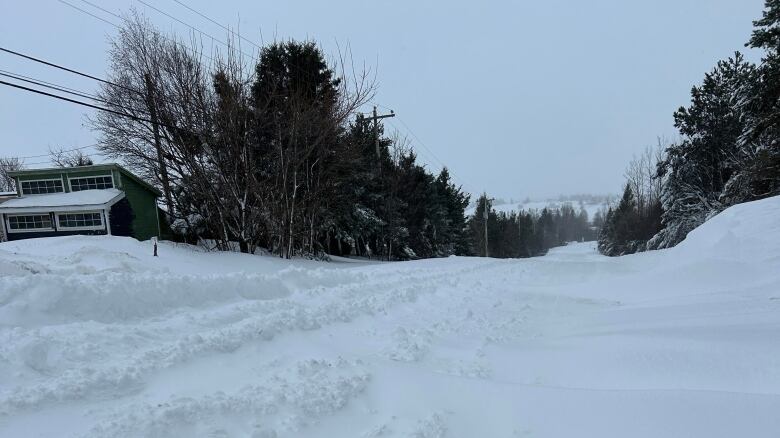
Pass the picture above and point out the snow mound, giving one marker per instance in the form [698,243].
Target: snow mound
[114,297]
[98,338]
[749,231]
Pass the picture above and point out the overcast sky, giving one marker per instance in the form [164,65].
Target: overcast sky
[526,98]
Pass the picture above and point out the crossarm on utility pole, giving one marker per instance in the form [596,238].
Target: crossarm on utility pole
[374,117]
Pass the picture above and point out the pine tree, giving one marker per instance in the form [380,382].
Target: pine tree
[759,153]
[697,169]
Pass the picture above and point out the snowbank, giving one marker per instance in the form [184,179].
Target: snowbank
[115,297]
[100,339]
[749,232]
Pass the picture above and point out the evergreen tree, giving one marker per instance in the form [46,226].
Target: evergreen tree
[477,225]
[452,201]
[525,233]
[698,168]
[759,155]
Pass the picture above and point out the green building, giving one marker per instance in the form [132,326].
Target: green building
[97,199]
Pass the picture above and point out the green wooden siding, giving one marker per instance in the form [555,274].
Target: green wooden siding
[141,196]
[144,204]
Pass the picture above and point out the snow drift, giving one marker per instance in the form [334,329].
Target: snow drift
[100,339]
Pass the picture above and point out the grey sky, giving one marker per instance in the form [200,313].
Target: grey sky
[527,98]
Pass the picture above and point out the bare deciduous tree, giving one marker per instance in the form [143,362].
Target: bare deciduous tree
[641,175]
[243,154]
[64,158]
[7,184]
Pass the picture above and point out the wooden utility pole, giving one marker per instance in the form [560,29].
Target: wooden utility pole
[485,217]
[156,129]
[375,118]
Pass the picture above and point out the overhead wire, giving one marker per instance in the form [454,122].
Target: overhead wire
[193,28]
[125,19]
[421,143]
[78,102]
[218,24]
[50,85]
[88,13]
[85,95]
[65,150]
[51,64]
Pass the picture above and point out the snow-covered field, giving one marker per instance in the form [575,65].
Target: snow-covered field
[590,207]
[99,339]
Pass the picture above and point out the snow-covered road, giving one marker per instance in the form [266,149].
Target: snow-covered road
[99,339]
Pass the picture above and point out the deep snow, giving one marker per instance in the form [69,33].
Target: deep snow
[100,339]
[79,198]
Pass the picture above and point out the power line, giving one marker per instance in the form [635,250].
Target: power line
[41,81]
[125,19]
[410,131]
[69,70]
[118,26]
[49,85]
[254,58]
[193,28]
[421,142]
[49,162]
[50,64]
[88,13]
[61,88]
[417,151]
[99,8]
[78,102]
[218,24]
[66,150]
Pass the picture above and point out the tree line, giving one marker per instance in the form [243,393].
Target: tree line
[266,152]
[526,233]
[728,152]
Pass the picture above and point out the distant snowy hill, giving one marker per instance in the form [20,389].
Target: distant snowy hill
[98,338]
[591,205]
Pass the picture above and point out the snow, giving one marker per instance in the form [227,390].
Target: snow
[590,207]
[100,339]
[54,200]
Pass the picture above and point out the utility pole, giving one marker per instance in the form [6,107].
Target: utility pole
[156,129]
[375,118]
[485,217]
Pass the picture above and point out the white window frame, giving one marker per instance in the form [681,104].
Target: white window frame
[70,179]
[102,225]
[22,181]
[27,230]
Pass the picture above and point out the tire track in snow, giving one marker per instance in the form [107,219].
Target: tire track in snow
[285,403]
[306,309]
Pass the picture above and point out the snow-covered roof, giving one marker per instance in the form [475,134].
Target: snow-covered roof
[90,168]
[63,201]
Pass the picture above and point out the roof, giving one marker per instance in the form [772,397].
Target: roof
[81,200]
[5,196]
[93,167]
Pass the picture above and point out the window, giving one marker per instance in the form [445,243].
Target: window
[91,183]
[40,187]
[29,223]
[80,220]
